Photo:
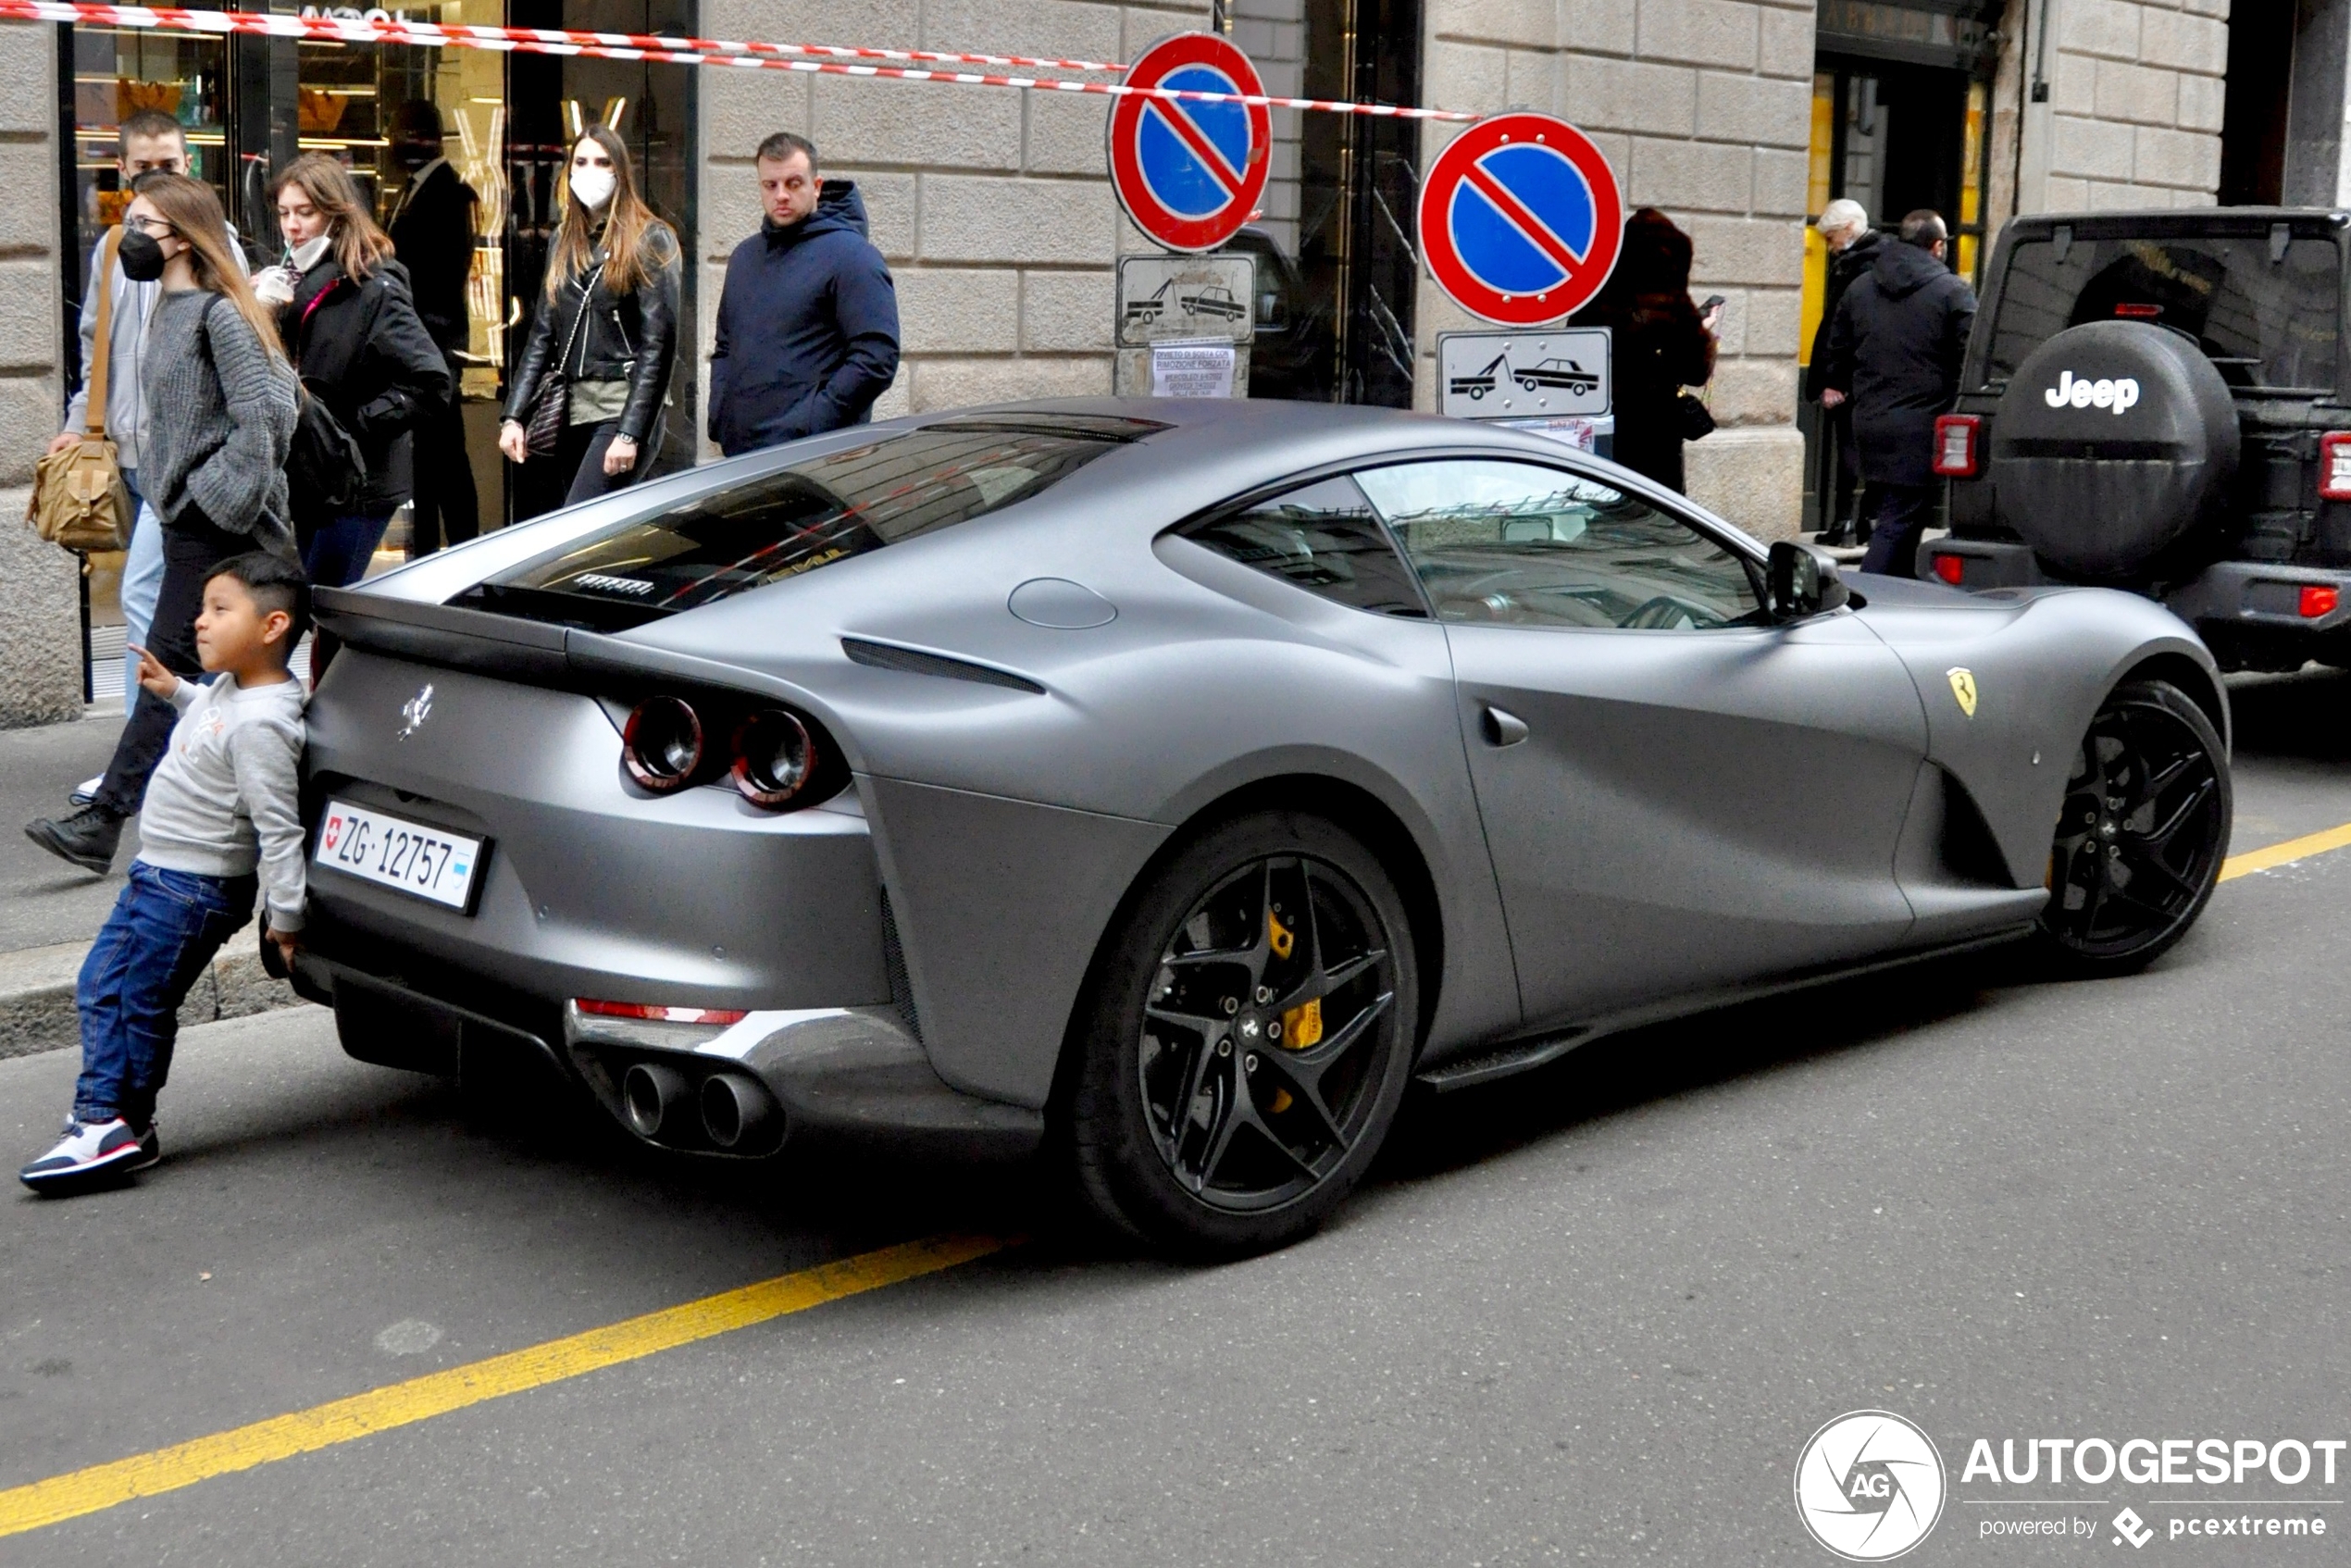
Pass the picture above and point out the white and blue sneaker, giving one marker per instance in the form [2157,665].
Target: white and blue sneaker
[86,792]
[90,1150]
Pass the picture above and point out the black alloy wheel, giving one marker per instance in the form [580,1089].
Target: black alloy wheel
[2142,834]
[1250,1039]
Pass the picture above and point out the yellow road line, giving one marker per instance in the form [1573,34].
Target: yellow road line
[399,1405]
[2286,853]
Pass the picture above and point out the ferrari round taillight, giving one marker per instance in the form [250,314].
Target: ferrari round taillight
[775,758]
[662,744]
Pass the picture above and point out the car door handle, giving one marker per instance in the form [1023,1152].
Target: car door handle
[1501,727]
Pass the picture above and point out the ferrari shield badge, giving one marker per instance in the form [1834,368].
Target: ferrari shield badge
[1963,688]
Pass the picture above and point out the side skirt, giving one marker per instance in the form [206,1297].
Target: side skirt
[1516,1056]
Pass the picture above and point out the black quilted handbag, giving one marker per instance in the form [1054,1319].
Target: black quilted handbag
[549,411]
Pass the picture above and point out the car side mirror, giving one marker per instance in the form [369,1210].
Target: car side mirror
[1801,580]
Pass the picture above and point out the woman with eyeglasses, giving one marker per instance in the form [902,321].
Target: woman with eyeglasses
[350,324]
[220,403]
[606,331]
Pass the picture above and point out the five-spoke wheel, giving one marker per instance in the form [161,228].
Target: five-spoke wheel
[2141,836]
[1249,1039]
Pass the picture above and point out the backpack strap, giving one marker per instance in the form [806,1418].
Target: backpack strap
[94,414]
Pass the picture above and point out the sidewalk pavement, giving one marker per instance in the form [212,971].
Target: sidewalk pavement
[49,911]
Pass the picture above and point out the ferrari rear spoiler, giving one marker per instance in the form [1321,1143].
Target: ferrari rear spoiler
[528,652]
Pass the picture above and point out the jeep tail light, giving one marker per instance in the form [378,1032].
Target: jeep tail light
[2318,599]
[655,1014]
[2334,466]
[2132,311]
[662,743]
[1955,436]
[1950,569]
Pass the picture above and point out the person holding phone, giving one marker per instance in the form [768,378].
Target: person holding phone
[1662,343]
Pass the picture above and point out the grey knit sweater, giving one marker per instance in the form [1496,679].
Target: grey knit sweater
[221,416]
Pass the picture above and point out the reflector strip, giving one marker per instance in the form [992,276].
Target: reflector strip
[659,1015]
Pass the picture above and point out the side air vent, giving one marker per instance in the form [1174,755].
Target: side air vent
[911,661]
[902,989]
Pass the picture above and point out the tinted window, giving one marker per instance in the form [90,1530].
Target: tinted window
[799,519]
[1518,544]
[1323,538]
[2268,325]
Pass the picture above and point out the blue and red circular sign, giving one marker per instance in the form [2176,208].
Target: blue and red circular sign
[1521,219]
[1190,173]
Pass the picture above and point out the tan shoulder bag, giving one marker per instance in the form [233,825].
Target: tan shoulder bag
[78,500]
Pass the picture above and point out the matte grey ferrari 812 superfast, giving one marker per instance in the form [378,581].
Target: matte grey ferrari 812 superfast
[1166,786]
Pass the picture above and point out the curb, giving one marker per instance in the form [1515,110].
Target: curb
[36,996]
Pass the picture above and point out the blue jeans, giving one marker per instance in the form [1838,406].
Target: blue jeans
[338,554]
[165,928]
[141,583]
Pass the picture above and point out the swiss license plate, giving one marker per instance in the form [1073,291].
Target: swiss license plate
[431,862]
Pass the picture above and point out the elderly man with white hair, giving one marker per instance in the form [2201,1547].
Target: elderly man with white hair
[1844,226]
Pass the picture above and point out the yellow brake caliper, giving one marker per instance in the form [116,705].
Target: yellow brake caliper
[1302,1025]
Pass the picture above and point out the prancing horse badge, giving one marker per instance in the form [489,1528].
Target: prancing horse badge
[1963,688]
[418,708]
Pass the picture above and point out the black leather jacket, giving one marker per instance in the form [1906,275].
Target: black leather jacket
[631,337]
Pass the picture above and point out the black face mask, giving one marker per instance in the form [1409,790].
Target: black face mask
[141,254]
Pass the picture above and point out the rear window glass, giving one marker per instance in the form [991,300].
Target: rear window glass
[2269,326]
[799,519]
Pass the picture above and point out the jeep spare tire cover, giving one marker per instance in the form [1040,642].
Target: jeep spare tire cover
[2114,440]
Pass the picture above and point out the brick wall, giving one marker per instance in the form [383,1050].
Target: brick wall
[40,614]
[1703,107]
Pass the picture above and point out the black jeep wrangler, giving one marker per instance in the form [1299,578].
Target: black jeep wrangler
[2160,401]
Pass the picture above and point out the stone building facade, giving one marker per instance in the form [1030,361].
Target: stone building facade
[2132,110]
[995,212]
[39,603]
[1704,109]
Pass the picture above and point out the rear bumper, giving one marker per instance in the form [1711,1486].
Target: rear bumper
[848,1075]
[2248,610]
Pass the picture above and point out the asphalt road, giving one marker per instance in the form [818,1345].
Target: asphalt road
[1591,1315]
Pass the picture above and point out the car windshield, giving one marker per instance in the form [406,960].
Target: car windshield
[2269,326]
[799,519]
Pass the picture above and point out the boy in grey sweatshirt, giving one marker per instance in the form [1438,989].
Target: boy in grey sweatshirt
[222,823]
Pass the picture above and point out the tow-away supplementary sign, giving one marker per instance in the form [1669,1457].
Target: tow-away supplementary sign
[1521,219]
[1190,174]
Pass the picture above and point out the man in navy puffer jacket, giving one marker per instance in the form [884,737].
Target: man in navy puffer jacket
[808,320]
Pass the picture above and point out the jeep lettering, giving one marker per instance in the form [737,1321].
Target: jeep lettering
[2117,395]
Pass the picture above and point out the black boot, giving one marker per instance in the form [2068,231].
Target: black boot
[88,837]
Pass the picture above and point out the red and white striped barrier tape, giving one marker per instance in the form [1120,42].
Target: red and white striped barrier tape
[823,59]
[365,29]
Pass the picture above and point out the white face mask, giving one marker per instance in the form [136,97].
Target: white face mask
[592,186]
[306,256]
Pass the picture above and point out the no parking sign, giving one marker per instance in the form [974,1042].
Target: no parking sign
[1190,173]
[1521,219]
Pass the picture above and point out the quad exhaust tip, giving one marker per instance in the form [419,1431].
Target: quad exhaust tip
[650,1095]
[736,1110]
